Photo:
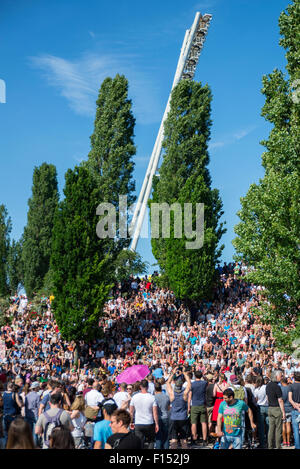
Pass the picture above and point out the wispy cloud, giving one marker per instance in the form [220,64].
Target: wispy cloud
[232,138]
[78,81]
[142,160]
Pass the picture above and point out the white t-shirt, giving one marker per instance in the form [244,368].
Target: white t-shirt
[120,397]
[93,397]
[78,425]
[143,404]
[260,395]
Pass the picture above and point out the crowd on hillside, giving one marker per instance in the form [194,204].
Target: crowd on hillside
[215,377]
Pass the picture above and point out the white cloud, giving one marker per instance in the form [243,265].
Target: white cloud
[232,138]
[213,145]
[78,81]
[142,160]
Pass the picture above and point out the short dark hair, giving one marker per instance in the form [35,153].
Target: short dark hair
[157,387]
[144,384]
[56,398]
[198,374]
[110,408]
[122,415]
[228,392]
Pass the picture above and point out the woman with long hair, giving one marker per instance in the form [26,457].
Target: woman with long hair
[218,390]
[19,435]
[61,438]
[78,420]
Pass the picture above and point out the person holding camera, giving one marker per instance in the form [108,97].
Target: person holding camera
[179,422]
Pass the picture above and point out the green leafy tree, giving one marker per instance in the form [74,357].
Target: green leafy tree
[38,231]
[129,263]
[5,229]
[81,268]
[112,147]
[15,266]
[268,235]
[184,178]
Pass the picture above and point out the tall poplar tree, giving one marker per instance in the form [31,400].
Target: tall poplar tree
[112,147]
[38,231]
[184,178]
[5,229]
[268,235]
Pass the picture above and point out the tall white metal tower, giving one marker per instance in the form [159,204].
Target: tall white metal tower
[190,51]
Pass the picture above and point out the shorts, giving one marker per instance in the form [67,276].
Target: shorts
[288,416]
[209,413]
[179,429]
[198,413]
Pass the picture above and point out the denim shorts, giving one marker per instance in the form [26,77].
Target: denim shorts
[288,416]
[236,441]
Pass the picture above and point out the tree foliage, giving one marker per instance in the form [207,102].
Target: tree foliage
[129,263]
[268,235]
[5,229]
[15,266]
[81,266]
[38,231]
[184,178]
[112,147]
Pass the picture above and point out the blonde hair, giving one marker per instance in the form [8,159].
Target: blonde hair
[78,404]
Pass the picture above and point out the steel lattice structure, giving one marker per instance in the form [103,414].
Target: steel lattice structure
[189,55]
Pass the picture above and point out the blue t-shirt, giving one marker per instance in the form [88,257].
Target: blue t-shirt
[233,416]
[158,373]
[102,431]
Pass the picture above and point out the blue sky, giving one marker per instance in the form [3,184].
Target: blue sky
[55,55]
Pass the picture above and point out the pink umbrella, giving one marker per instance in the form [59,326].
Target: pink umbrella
[133,374]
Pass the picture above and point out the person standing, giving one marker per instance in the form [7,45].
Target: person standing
[163,406]
[286,426]
[262,411]
[179,423]
[294,398]
[232,410]
[49,418]
[11,407]
[210,399]
[144,413]
[102,429]
[276,411]
[122,437]
[197,400]
[121,395]
[32,404]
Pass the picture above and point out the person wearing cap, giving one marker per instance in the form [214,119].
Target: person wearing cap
[102,429]
[32,404]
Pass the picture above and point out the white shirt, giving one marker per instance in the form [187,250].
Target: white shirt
[143,404]
[78,425]
[120,397]
[260,395]
[93,397]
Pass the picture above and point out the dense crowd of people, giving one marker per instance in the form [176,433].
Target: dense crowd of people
[216,379]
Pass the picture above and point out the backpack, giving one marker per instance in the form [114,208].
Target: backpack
[239,392]
[51,423]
